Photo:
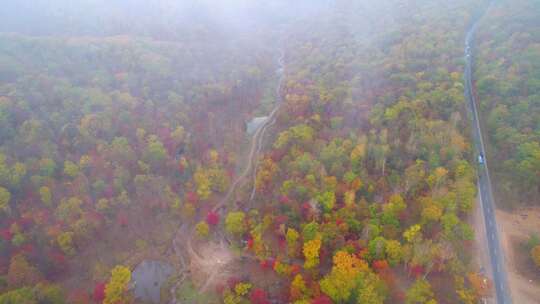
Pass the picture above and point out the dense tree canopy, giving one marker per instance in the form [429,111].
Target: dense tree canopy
[115,149]
[509,88]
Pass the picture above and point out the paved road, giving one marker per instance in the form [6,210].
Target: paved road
[484,183]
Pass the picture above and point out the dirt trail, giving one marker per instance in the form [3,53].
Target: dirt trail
[271,119]
[256,141]
[215,257]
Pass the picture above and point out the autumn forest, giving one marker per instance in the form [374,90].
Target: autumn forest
[260,152]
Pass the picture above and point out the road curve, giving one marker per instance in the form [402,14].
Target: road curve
[500,281]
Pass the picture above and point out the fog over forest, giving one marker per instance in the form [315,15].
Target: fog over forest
[103,18]
[242,151]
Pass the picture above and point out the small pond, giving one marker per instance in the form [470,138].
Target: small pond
[255,123]
[147,279]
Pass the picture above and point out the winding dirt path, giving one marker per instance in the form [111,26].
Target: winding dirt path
[216,266]
[256,141]
[271,119]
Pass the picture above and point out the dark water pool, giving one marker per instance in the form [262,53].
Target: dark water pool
[148,277]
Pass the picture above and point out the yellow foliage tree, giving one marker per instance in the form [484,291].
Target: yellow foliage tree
[265,174]
[70,169]
[431,212]
[235,223]
[311,253]
[535,254]
[420,293]
[358,152]
[341,281]
[84,161]
[394,252]
[116,288]
[45,194]
[178,134]
[65,241]
[292,241]
[349,198]
[437,177]
[298,290]
[202,229]
[5,196]
[466,295]
[214,156]
[219,180]
[242,289]
[412,233]
[203,183]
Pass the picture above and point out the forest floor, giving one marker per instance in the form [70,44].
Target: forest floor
[523,277]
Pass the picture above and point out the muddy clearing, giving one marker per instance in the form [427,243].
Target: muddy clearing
[523,277]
